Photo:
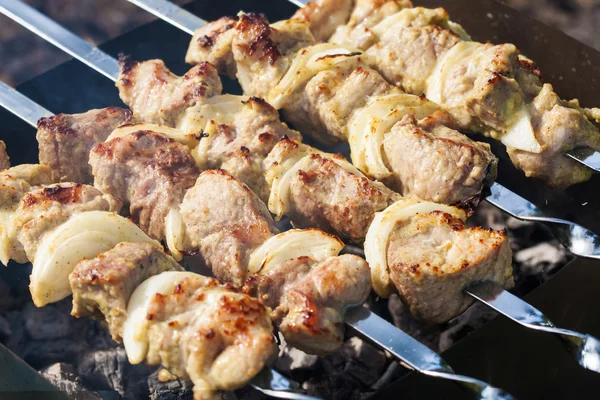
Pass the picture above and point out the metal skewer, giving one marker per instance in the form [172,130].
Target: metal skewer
[385,335]
[574,237]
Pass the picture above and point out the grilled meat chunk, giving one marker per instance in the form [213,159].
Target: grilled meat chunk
[156,95]
[324,195]
[212,43]
[226,221]
[42,210]
[308,299]
[20,179]
[102,286]
[218,338]
[148,171]
[413,149]
[4,159]
[65,141]
[433,256]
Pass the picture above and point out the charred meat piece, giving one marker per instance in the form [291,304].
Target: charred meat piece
[199,329]
[156,95]
[102,286]
[42,210]
[20,179]
[65,141]
[308,298]
[147,171]
[212,43]
[226,221]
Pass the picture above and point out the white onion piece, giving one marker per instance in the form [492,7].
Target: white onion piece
[5,223]
[83,236]
[370,124]
[175,233]
[459,30]
[221,108]
[435,83]
[378,236]
[135,329]
[279,198]
[291,244]
[179,136]
[520,135]
[307,63]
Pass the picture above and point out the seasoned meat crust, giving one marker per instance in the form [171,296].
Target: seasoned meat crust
[226,221]
[102,286]
[308,299]
[158,96]
[434,256]
[218,338]
[4,159]
[212,43]
[42,210]
[65,141]
[148,171]
[20,179]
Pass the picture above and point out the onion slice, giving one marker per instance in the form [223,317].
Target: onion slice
[84,235]
[186,139]
[135,338]
[378,236]
[521,135]
[291,244]
[175,233]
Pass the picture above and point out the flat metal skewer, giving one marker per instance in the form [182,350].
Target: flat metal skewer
[574,237]
[385,335]
[20,105]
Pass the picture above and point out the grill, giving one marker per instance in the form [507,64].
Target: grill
[491,351]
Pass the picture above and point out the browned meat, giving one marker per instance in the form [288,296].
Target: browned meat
[148,171]
[18,180]
[434,256]
[212,43]
[65,141]
[42,210]
[4,159]
[218,338]
[226,221]
[308,299]
[156,95]
[102,286]
[326,196]
[324,17]
[413,151]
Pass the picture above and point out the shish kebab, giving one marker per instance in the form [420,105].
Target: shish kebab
[513,204]
[89,300]
[497,292]
[490,89]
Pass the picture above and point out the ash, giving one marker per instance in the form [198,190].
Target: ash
[79,357]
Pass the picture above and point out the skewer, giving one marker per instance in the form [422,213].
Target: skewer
[574,237]
[585,347]
[405,348]
[21,105]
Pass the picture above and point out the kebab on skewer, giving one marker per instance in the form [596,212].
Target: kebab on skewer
[490,89]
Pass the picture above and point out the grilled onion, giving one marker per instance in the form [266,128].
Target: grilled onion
[175,233]
[313,243]
[186,139]
[84,235]
[378,236]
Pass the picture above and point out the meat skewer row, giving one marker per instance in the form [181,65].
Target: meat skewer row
[490,89]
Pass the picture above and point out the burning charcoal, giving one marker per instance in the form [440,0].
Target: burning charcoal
[475,316]
[363,361]
[64,377]
[541,258]
[333,387]
[50,322]
[392,373]
[292,359]
[177,389]
[40,353]
[109,369]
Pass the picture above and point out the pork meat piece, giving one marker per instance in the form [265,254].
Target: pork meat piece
[65,141]
[226,221]
[434,256]
[156,95]
[103,285]
[218,338]
[212,43]
[4,159]
[148,171]
[20,179]
[308,299]
[42,210]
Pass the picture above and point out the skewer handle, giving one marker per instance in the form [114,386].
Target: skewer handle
[21,106]
[171,13]
[62,38]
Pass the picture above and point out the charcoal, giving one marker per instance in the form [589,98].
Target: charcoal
[333,387]
[392,373]
[40,353]
[50,322]
[363,361]
[65,378]
[6,298]
[178,389]
[291,359]
[110,369]
[5,331]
